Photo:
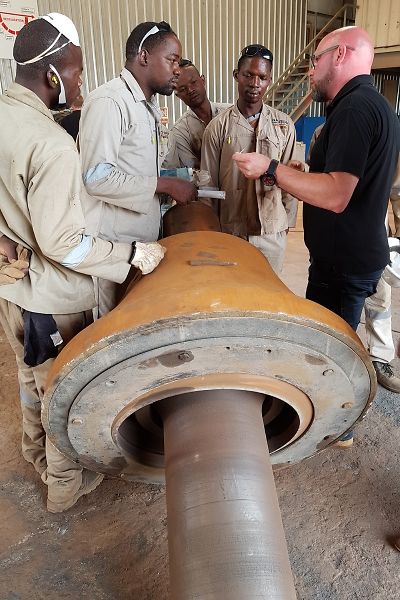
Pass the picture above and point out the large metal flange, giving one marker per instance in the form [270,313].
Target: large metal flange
[315,381]
[213,315]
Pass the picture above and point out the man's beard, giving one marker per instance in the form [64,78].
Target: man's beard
[165,90]
[318,95]
[319,92]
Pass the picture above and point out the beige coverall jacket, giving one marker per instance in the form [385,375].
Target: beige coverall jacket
[185,139]
[41,193]
[249,208]
[120,147]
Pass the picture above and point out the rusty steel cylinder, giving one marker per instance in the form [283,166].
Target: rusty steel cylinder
[202,363]
[213,315]
[225,533]
[191,217]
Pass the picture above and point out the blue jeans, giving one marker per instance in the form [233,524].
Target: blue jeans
[343,293]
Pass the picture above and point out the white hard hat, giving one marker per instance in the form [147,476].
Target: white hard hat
[391,273]
[64,25]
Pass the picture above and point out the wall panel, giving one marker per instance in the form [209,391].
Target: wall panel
[382,21]
[212,33]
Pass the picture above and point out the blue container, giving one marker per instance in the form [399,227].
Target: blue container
[305,128]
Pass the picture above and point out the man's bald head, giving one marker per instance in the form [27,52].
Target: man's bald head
[361,58]
[340,56]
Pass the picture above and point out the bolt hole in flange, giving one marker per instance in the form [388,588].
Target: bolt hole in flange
[140,435]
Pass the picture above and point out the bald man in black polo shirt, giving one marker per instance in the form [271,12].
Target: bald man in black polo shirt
[351,169]
[352,166]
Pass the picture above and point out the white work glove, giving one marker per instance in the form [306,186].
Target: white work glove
[147,256]
[11,272]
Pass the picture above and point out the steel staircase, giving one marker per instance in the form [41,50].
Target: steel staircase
[291,93]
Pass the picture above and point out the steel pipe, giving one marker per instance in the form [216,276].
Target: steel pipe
[225,533]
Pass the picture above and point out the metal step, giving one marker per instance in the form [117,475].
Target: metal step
[281,94]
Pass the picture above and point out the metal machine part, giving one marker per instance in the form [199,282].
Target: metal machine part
[212,317]
[226,537]
[193,217]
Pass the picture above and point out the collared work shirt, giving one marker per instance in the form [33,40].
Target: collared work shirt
[120,147]
[185,139]
[249,208]
[41,192]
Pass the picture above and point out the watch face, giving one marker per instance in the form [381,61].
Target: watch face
[268,180]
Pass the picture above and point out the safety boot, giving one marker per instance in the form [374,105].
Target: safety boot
[346,441]
[386,376]
[56,500]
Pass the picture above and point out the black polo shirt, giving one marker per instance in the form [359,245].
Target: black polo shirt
[361,136]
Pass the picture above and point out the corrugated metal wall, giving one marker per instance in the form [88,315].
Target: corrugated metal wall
[382,21]
[380,78]
[212,33]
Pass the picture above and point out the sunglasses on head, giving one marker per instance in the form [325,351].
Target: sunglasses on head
[185,62]
[257,50]
[162,26]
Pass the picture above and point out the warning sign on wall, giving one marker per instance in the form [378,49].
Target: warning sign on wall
[14,14]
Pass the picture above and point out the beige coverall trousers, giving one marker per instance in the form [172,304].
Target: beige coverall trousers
[62,476]
[273,246]
[378,323]
[378,309]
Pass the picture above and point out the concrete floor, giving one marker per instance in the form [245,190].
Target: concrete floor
[339,509]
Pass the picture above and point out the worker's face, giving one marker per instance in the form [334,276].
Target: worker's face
[191,88]
[322,75]
[71,73]
[163,62]
[253,78]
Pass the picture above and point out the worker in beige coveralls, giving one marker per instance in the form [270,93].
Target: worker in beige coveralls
[255,212]
[121,149]
[41,210]
[186,136]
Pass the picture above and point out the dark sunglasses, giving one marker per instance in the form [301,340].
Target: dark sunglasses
[257,50]
[185,62]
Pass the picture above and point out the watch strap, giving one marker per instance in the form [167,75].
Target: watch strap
[269,179]
[273,165]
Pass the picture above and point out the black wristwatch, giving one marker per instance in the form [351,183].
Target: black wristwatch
[269,178]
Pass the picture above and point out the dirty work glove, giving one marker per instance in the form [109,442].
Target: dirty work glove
[11,271]
[147,255]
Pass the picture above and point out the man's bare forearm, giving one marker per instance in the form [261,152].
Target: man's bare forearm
[331,191]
